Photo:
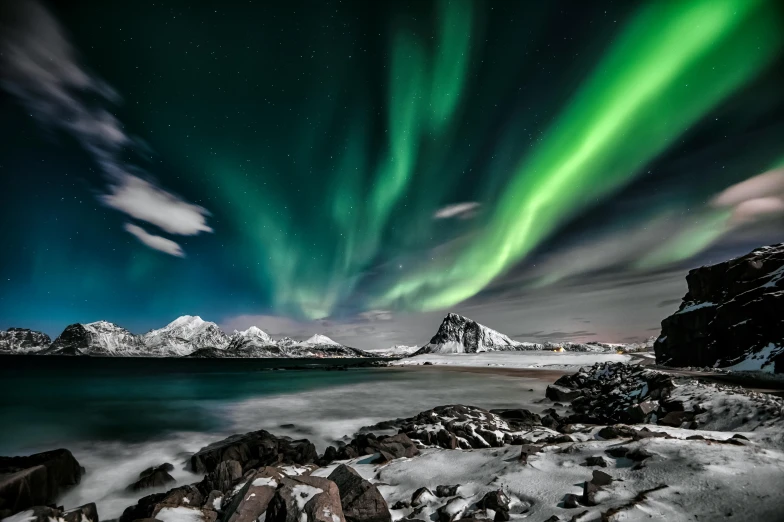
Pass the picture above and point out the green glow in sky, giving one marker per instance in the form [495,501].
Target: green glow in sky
[668,68]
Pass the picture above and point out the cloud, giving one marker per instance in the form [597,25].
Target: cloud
[376,315]
[155,242]
[147,202]
[460,210]
[40,66]
[756,198]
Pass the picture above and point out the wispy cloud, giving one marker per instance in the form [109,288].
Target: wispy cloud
[40,67]
[155,242]
[458,210]
[146,202]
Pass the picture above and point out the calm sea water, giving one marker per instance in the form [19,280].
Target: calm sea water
[119,416]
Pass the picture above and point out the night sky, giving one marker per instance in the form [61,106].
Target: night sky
[359,168]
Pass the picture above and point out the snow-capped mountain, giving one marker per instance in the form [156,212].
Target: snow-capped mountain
[23,340]
[98,338]
[399,350]
[458,334]
[185,335]
[320,340]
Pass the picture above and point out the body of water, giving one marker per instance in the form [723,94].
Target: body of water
[120,416]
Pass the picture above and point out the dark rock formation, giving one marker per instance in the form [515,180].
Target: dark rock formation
[253,450]
[254,498]
[153,477]
[388,447]
[85,513]
[732,313]
[361,500]
[36,480]
[314,499]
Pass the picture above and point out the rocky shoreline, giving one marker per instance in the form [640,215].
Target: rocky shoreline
[632,438]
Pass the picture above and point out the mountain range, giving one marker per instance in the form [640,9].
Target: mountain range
[185,336]
[458,334]
[191,336]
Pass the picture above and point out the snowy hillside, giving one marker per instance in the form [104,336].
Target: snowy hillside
[98,338]
[23,340]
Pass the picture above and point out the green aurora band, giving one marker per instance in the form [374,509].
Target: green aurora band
[669,67]
[665,71]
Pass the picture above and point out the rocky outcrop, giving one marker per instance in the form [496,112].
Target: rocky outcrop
[153,477]
[254,497]
[458,334]
[361,500]
[85,513]
[23,340]
[314,499]
[730,317]
[253,450]
[36,480]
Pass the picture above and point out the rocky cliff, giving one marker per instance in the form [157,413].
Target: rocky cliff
[731,317]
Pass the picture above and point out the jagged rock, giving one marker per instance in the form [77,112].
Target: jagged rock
[153,477]
[496,500]
[526,450]
[447,491]
[597,460]
[560,394]
[422,496]
[730,315]
[85,513]
[149,506]
[600,478]
[641,412]
[259,447]
[38,479]
[571,501]
[519,415]
[452,510]
[589,493]
[254,497]
[223,477]
[401,504]
[314,499]
[361,500]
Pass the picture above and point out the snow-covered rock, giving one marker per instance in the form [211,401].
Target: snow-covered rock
[98,338]
[185,335]
[23,340]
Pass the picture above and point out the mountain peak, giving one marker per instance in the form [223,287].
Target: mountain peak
[459,334]
[189,320]
[319,339]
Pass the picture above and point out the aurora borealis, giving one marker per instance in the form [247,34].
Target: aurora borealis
[366,167]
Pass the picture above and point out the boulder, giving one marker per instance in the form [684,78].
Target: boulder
[151,505]
[731,314]
[600,478]
[422,496]
[560,394]
[153,477]
[496,500]
[257,448]
[85,513]
[314,499]
[254,497]
[597,460]
[223,478]
[447,491]
[571,501]
[452,510]
[361,500]
[36,480]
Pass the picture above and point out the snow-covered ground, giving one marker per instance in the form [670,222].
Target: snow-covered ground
[703,480]
[530,359]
